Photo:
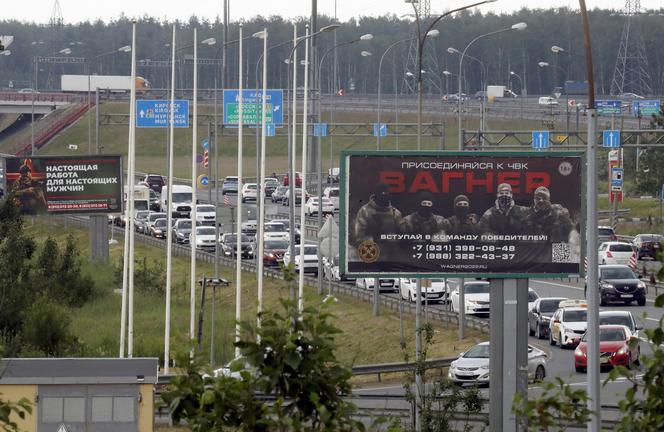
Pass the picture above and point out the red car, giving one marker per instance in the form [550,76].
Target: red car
[614,341]
[273,252]
[298,179]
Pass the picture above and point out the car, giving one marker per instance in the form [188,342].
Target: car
[206,214]
[606,233]
[540,314]
[647,246]
[547,100]
[567,326]
[205,238]
[275,231]
[154,181]
[332,193]
[615,253]
[615,346]
[532,297]
[152,217]
[273,252]
[476,294]
[181,231]
[140,220]
[384,284]
[455,97]
[270,185]
[480,95]
[279,194]
[333,175]
[310,258]
[249,227]
[249,192]
[228,243]
[182,197]
[472,366]
[229,185]
[312,206]
[432,290]
[155,204]
[286,223]
[159,229]
[298,179]
[620,317]
[331,270]
[28,90]
[298,197]
[618,283]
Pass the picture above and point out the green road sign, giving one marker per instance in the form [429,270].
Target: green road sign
[252,113]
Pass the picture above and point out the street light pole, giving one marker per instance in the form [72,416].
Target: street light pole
[514,74]
[261,190]
[380,67]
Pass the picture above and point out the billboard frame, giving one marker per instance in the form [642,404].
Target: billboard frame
[344,218]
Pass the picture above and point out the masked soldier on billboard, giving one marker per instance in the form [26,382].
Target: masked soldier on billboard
[377,217]
[505,217]
[29,193]
[423,221]
[550,219]
[463,222]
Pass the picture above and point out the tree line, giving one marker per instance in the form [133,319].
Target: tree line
[518,51]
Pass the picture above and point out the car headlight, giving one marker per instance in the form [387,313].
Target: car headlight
[622,351]
[546,318]
[484,367]
[578,352]
[641,285]
[157,231]
[607,286]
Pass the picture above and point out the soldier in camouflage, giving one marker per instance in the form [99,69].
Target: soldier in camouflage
[377,217]
[550,219]
[463,222]
[423,221]
[505,217]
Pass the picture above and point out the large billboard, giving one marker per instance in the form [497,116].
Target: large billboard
[428,214]
[65,184]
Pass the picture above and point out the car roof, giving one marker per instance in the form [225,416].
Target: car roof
[573,303]
[604,227]
[617,242]
[614,312]
[574,308]
[604,266]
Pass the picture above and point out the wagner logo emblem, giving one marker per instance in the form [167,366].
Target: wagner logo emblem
[368,251]
[565,168]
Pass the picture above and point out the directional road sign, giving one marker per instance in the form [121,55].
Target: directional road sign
[540,139]
[202,181]
[617,177]
[645,108]
[380,129]
[270,129]
[608,107]
[205,143]
[611,138]
[320,129]
[252,106]
[154,113]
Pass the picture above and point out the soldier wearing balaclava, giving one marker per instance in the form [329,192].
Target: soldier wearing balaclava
[505,217]
[423,220]
[377,217]
[546,218]
[463,221]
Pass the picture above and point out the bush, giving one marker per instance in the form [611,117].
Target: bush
[148,277]
[46,329]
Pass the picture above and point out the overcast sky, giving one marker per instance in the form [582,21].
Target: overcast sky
[74,11]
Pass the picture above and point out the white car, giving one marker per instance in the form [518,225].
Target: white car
[547,100]
[433,290]
[310,258]
[472,366]
[532,297]
[206,214]
[384,284]
[567,326]
[332,193]
[311,207]
[476,296]
[615,253]
[275,231]
[205,238]
[249,192]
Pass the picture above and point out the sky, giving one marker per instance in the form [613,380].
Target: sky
[74,11]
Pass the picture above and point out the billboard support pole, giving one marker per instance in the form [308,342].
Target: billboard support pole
[496,361]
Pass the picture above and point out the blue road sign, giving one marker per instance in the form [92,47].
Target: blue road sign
[611,138]
[645,107]
[380,129]
[540,139]
[608,107]
[205,181]
[154,114]
[252,106]
[617,177]
[270,129]
[320,129]
[206,144]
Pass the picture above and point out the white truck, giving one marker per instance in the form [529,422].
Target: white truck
[112,83]
[141,202]
[181,205]
[497,92]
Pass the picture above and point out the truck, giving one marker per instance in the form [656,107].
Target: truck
[141,202]
[112,83]
[494,92]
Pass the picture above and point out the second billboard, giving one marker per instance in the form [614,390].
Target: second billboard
[474,214]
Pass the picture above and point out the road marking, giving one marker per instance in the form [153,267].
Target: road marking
[378,388]
[653,319]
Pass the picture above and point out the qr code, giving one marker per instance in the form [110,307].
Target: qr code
[561,253]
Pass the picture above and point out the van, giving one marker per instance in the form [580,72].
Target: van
[332,193]
[547,100]
[181,206]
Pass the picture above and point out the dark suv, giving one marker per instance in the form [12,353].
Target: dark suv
[647,245]
[618,283]
[155,182]
[540,315]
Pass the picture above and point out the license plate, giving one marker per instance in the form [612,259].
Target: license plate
[626,295]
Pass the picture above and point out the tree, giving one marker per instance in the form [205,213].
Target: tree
[651,177]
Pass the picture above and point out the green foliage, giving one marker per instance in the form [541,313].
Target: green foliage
[558,407]
[290,357]
[46,329]
[651,163]
[149,276]
[7,408]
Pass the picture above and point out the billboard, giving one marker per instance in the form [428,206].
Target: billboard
[428,214]
[65,184]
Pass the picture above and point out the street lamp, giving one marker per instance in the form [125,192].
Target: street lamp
[517,26]
[514,74]
[543,64]
[380,68]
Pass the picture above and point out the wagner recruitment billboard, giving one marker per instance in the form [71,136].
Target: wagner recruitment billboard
[65,184]
[464,214]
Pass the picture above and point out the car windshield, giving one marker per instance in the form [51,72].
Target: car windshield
[611,335]
[232,238]
[276,244]
[650,238]
[205,208]
[476,288]
[275,228]
[605,231]
[252,186]
[142,214]
[154,216]
[548,306]
[184,225]
[575,315]
[532,296]
[334,192]
[181,197]
[308,250]
[205,231]
[620,248]
[285,223]
[160,223]
[617,273]
[478,351]
[231,180]
[616,320]
[155,179]
[282,189]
